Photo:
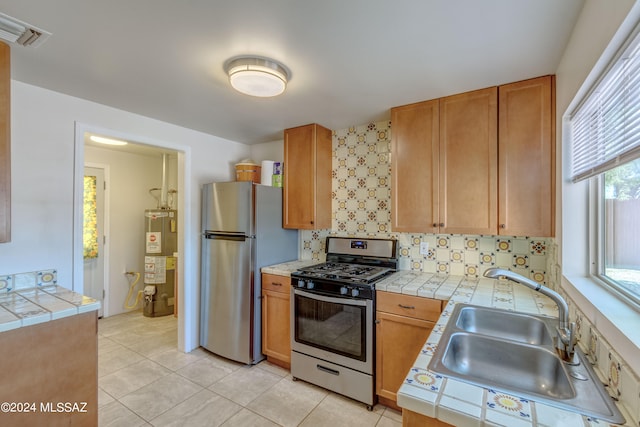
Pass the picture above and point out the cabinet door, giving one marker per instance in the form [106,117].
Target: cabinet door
[398,342]
[414,167]
[276,325]
[276,283]
[468,162]
[307,177]
[526,158]
[51,362]
[409,306]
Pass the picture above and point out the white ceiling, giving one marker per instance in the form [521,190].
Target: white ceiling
[350,60]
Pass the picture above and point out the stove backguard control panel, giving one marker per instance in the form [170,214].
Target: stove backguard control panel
[377,248]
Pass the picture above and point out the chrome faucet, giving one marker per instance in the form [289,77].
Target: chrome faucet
[566,340]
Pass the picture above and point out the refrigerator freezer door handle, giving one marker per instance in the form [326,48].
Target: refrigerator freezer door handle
[226,236]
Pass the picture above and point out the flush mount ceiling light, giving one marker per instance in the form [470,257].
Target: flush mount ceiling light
[257,76]
[108,141]
[16,31]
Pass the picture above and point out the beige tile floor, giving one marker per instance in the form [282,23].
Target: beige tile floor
[144,380]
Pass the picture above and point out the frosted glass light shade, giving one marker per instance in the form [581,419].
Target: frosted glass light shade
[257,76]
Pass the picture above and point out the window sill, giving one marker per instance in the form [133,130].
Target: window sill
[616,321]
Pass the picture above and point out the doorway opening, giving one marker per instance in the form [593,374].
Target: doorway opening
[133,175]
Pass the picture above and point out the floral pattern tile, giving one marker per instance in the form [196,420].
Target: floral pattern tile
[507,404]
[424,378]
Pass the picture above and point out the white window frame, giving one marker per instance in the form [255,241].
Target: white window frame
[602,307]
[597,244]
[595,180]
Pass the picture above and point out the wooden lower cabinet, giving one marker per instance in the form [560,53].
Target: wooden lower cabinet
[51,369]
[413,419]
[403,324]
[276,322]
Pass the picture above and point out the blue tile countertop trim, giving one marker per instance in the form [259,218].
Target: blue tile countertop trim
[25,307]
[459,403]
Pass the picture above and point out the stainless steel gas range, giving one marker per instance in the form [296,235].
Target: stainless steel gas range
[332,316]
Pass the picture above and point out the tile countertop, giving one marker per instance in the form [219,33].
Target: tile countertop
[285,268]
[27,307]
[459,403]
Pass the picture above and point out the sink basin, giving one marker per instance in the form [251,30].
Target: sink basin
[514,353]
[522,368]
[504,324]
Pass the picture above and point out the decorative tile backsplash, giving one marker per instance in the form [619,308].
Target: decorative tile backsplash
[361,207]
[18,281]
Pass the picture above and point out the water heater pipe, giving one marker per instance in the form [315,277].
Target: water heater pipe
[163,189]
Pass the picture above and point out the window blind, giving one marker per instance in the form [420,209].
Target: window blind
[605,129]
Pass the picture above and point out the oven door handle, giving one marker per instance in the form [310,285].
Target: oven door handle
[347,301]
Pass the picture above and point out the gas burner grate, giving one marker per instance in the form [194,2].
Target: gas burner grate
[345,272]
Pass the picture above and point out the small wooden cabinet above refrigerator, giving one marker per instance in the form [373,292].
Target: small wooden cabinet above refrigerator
[307,178]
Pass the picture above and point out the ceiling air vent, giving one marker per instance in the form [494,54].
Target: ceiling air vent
[15,31]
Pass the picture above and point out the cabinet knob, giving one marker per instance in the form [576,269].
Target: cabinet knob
[311,222]
[442,224]
[503,225]
[435,225]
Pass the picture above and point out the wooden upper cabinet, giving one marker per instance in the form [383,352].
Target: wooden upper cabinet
[414,167]
[526,158]
[444,164]
[307,178]
[5,143]
[480,162]
[469,162]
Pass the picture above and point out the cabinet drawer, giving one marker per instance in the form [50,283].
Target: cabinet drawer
[409,305]
[276,283]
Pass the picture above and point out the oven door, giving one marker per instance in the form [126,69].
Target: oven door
[335,329]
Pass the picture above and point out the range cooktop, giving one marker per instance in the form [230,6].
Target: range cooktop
[344,272]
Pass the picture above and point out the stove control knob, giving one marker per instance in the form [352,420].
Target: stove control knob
[343,290]
[310,285]
[355,292]
[301,283]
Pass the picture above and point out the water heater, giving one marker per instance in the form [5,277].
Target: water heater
[161,243]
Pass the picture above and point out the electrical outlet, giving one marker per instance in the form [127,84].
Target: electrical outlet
[424,248]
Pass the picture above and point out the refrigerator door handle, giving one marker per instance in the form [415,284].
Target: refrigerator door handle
[240,237]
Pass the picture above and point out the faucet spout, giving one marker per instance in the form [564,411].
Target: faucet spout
[565,342]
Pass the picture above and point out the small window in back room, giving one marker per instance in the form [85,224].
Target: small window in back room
[605,148]
[90,227]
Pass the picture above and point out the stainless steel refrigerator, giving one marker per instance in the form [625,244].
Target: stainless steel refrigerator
[241,233]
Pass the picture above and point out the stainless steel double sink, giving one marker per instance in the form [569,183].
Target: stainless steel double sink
[514,353]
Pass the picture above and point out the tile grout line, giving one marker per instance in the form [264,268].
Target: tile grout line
[126,327]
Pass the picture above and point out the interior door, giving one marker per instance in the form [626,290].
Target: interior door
[93,235]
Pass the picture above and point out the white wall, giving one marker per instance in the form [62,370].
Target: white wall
[43,130]
[594,30]
[600,30]
[268,151]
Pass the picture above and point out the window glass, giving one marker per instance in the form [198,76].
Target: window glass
[620,228]
[90,225]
